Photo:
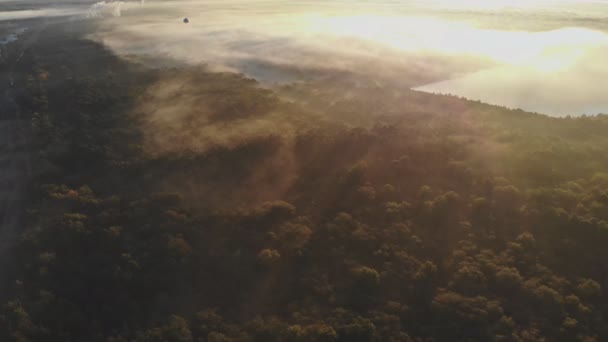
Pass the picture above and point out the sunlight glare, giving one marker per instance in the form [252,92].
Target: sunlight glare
[542,51]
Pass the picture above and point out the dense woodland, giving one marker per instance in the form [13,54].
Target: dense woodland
[318,211]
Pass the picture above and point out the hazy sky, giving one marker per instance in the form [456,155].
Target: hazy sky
[545,56]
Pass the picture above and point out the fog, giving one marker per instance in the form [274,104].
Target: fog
[541,56]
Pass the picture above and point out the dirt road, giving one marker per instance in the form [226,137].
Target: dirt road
[15,166]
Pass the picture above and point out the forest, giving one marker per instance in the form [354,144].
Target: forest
[173,203]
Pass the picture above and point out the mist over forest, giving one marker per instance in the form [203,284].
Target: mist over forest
[540,56]
[303,171]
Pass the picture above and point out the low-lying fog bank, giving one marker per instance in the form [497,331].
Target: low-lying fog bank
[540,56]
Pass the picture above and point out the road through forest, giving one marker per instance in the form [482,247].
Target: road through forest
[15,167]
